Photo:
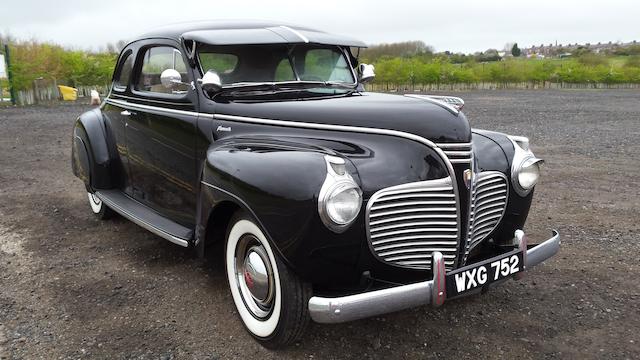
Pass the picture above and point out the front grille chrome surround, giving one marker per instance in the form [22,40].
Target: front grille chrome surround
[489,198]
[407,223]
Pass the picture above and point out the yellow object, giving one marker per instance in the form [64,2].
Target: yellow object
[68,93]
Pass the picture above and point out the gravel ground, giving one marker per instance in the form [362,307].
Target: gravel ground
[75,287]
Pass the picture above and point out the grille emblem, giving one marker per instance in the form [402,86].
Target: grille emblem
[468,177]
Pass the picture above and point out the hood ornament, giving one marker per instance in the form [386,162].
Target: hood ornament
[451,103]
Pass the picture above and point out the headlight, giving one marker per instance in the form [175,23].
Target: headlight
[525,168]
[529,174]
[340,197]
[343,204]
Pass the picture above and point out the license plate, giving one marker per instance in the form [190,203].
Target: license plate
[478,275]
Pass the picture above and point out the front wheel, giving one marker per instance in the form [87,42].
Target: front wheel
[271,300]
[99,209]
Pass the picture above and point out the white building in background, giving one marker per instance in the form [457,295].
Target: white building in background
[3,70]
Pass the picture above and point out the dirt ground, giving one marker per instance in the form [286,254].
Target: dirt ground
[75,287]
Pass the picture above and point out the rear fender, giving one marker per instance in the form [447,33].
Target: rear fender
[90,157]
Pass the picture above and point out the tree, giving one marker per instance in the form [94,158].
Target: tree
[515,50]
[399,49]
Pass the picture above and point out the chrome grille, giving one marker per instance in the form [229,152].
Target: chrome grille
[457,153]
[489,194]
[407,223]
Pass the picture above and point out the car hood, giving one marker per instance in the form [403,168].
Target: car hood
[371,110]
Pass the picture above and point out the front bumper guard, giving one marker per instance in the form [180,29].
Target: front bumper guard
[367,304]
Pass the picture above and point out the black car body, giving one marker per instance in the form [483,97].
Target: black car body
[182,156]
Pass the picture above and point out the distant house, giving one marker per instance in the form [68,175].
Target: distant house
[561,50]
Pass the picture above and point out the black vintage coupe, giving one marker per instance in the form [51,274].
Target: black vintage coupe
[332,203]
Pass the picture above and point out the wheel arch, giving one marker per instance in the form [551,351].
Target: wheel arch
[90,156]
[218,222]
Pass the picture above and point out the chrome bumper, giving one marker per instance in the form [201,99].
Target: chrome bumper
[359,306]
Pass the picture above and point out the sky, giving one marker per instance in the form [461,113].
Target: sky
[459,26]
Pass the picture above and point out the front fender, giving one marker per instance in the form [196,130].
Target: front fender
[278,182]
[494,152]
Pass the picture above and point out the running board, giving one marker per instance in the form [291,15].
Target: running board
[146,217]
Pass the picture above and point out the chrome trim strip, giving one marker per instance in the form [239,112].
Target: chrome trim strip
[415,237]
[454,145]
[458,153]
[142,107]
[296,32]
[328,127]
[160,102]
[359,306]
[140,222]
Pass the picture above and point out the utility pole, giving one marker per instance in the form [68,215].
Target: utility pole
[12,91]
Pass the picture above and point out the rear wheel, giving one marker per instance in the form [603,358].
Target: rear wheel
[99,209]
[271,300]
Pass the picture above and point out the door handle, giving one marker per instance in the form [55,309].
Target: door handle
[126,113]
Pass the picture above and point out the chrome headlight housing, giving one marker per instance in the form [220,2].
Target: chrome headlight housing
[525,167]
[340,198]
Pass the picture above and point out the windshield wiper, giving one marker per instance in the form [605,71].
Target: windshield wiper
[283,86]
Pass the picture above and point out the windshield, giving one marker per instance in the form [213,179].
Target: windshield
[251,64]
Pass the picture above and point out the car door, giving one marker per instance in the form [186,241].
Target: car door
[116,118]
[161,134]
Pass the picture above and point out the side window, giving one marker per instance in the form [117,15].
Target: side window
[155,61]
[124,73]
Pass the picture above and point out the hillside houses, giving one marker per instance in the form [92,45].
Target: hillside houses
[564,49]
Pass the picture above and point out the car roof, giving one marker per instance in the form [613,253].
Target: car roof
[242,32]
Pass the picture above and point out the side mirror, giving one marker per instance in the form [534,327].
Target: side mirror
[170,78]
[366,72]
[211,83]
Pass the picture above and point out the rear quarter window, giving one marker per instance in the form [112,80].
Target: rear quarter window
[123,73]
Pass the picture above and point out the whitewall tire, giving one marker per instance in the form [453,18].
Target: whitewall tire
[98,207]
[271,300]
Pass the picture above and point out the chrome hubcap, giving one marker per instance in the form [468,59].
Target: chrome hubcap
[255,276]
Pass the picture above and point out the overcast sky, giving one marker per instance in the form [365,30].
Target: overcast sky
[464,26]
